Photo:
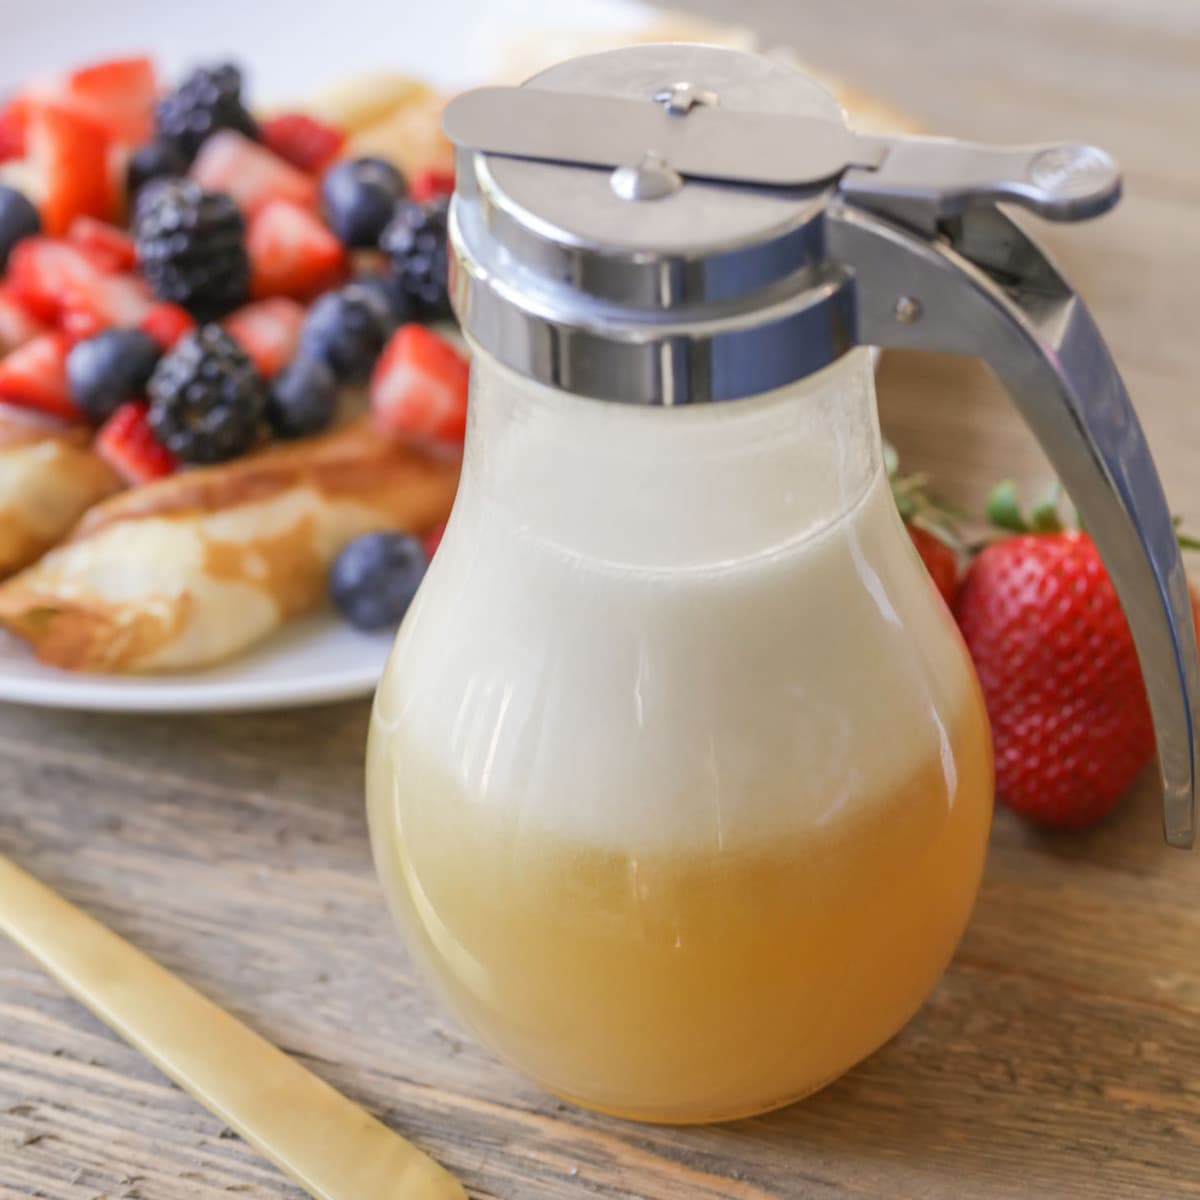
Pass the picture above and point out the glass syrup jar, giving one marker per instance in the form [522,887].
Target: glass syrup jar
[679,777]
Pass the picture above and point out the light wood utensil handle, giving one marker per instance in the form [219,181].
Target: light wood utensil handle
[328,1145]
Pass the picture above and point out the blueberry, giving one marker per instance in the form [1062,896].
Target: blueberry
[303,398]
[106,370]
[359,197]
[375,577]
[18,219]
[386,288]
[159,159]
[346,329]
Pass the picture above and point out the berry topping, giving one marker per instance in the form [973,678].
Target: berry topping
[419,388]
[207,400]
[166,323]
[106,370]
[431,183]
[41,270]
[192,248]
[415,242]
[110,248]
[118,95]
[35,376]
[127,443]
[157,159]
[13,119]
[68,154]
[18,219]
[347,329]
[433,539]
[268,331]
[308,144]
[17,324]
[89,304]
[384,287]
[303,398]
[359,198]
[209,99]
[375,577]
[291,252]
[250,173]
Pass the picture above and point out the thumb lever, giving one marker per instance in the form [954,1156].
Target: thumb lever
[926,180]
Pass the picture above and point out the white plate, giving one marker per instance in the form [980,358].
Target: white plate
[311,661]
[289,49]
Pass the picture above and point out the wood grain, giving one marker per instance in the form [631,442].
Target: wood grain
[1059,1057]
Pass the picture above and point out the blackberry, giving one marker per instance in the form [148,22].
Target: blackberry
[207,400]
[384,286]
[346,330]
[210,98]
[160,158]
[415,242]
[192,247]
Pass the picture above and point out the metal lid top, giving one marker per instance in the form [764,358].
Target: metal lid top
[638,284]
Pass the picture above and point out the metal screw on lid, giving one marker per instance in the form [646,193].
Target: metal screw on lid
[651,179]
[680,98]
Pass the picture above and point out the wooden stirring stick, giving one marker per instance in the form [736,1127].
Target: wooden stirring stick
[328,1145]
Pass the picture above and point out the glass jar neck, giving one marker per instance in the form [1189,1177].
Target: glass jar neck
[669,488]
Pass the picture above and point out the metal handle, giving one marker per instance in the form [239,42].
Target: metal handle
[986,289]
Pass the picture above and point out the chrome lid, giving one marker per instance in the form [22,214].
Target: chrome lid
[633,282]
[652,224]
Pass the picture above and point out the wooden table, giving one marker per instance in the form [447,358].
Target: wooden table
[1060,1056]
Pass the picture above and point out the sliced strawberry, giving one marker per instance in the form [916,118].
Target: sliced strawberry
[104,302]
[68,151]
[268,331]
[308,144]
[433,539]
[292,252]
[250,173]
[127,443]
[13,120]
[110,248]
[419,387]
[166,323]
[119,94]
[17,324]
[42,269]
[35,376]
[430,183]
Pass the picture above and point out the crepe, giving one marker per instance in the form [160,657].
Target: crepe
[389,115]
[193,569]
[48,478]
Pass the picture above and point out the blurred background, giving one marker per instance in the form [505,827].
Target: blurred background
[1122,73]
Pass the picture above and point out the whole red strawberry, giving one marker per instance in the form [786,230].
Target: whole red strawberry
[931,527]
[1070,721]
[940,559]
